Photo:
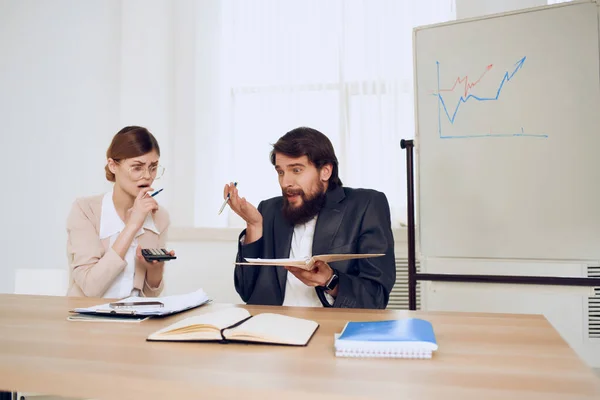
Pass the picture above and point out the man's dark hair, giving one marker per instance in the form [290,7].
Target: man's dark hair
[309,142]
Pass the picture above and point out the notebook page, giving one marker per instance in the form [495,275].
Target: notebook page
[214,321]
[274,328]
[343,257]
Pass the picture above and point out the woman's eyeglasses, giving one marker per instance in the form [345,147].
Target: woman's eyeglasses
[137,172]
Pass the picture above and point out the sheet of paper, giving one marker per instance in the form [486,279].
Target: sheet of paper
[307,262]
[106,318]
[275,328]
[300,262]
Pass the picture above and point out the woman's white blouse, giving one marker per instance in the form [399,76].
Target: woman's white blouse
[111,225]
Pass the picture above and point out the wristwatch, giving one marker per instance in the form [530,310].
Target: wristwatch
[333,282]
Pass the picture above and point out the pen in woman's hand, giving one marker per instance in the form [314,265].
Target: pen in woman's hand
[157,192]
[154,194]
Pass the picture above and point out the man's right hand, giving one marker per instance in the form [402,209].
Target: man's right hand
[246,211]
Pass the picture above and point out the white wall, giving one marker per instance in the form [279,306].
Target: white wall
[59,105]
[72,74]
[476,8]
[564,307]
[207,264]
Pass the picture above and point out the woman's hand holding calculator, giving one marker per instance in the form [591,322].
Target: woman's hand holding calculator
[154,256]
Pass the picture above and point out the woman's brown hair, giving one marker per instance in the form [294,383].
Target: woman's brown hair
[129,142]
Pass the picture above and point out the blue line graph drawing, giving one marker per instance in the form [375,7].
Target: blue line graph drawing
[451,116]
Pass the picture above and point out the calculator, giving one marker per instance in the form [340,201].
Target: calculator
[157,255]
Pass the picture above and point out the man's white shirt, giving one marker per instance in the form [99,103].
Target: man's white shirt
[296,292]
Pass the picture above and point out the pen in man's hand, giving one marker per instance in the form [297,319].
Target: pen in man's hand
[226,199]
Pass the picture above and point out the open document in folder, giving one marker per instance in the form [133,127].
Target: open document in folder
[306,263]
[149,306]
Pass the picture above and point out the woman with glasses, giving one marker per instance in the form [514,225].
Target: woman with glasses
[107,232]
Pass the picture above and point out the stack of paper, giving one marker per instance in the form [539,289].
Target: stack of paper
[170,305]
[306,263]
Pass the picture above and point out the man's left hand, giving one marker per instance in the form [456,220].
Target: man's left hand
[318,276]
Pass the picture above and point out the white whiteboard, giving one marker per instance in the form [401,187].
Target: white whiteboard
[508,159]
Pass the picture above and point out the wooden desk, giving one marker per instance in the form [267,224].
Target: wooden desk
[481,356]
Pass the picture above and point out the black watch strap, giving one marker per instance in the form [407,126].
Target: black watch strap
[333,282]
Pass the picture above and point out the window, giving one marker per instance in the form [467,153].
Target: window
[343,67]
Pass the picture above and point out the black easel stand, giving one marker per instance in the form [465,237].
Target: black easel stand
[410,187]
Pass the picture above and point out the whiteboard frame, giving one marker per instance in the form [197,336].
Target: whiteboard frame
[416,155]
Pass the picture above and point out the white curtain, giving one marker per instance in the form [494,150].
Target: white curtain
[344,67]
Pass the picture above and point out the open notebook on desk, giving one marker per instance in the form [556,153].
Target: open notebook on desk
[167,305]
[404,338]
[306,262]
[238,325]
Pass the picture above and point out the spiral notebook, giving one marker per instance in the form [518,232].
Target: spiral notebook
[405,338]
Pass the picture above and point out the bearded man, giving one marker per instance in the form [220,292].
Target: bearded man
[314,215]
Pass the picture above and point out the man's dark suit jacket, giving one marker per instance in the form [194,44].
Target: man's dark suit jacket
[352,221]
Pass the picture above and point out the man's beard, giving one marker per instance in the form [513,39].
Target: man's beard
[309,208]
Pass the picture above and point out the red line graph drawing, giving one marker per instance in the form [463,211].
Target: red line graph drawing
[467,85]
